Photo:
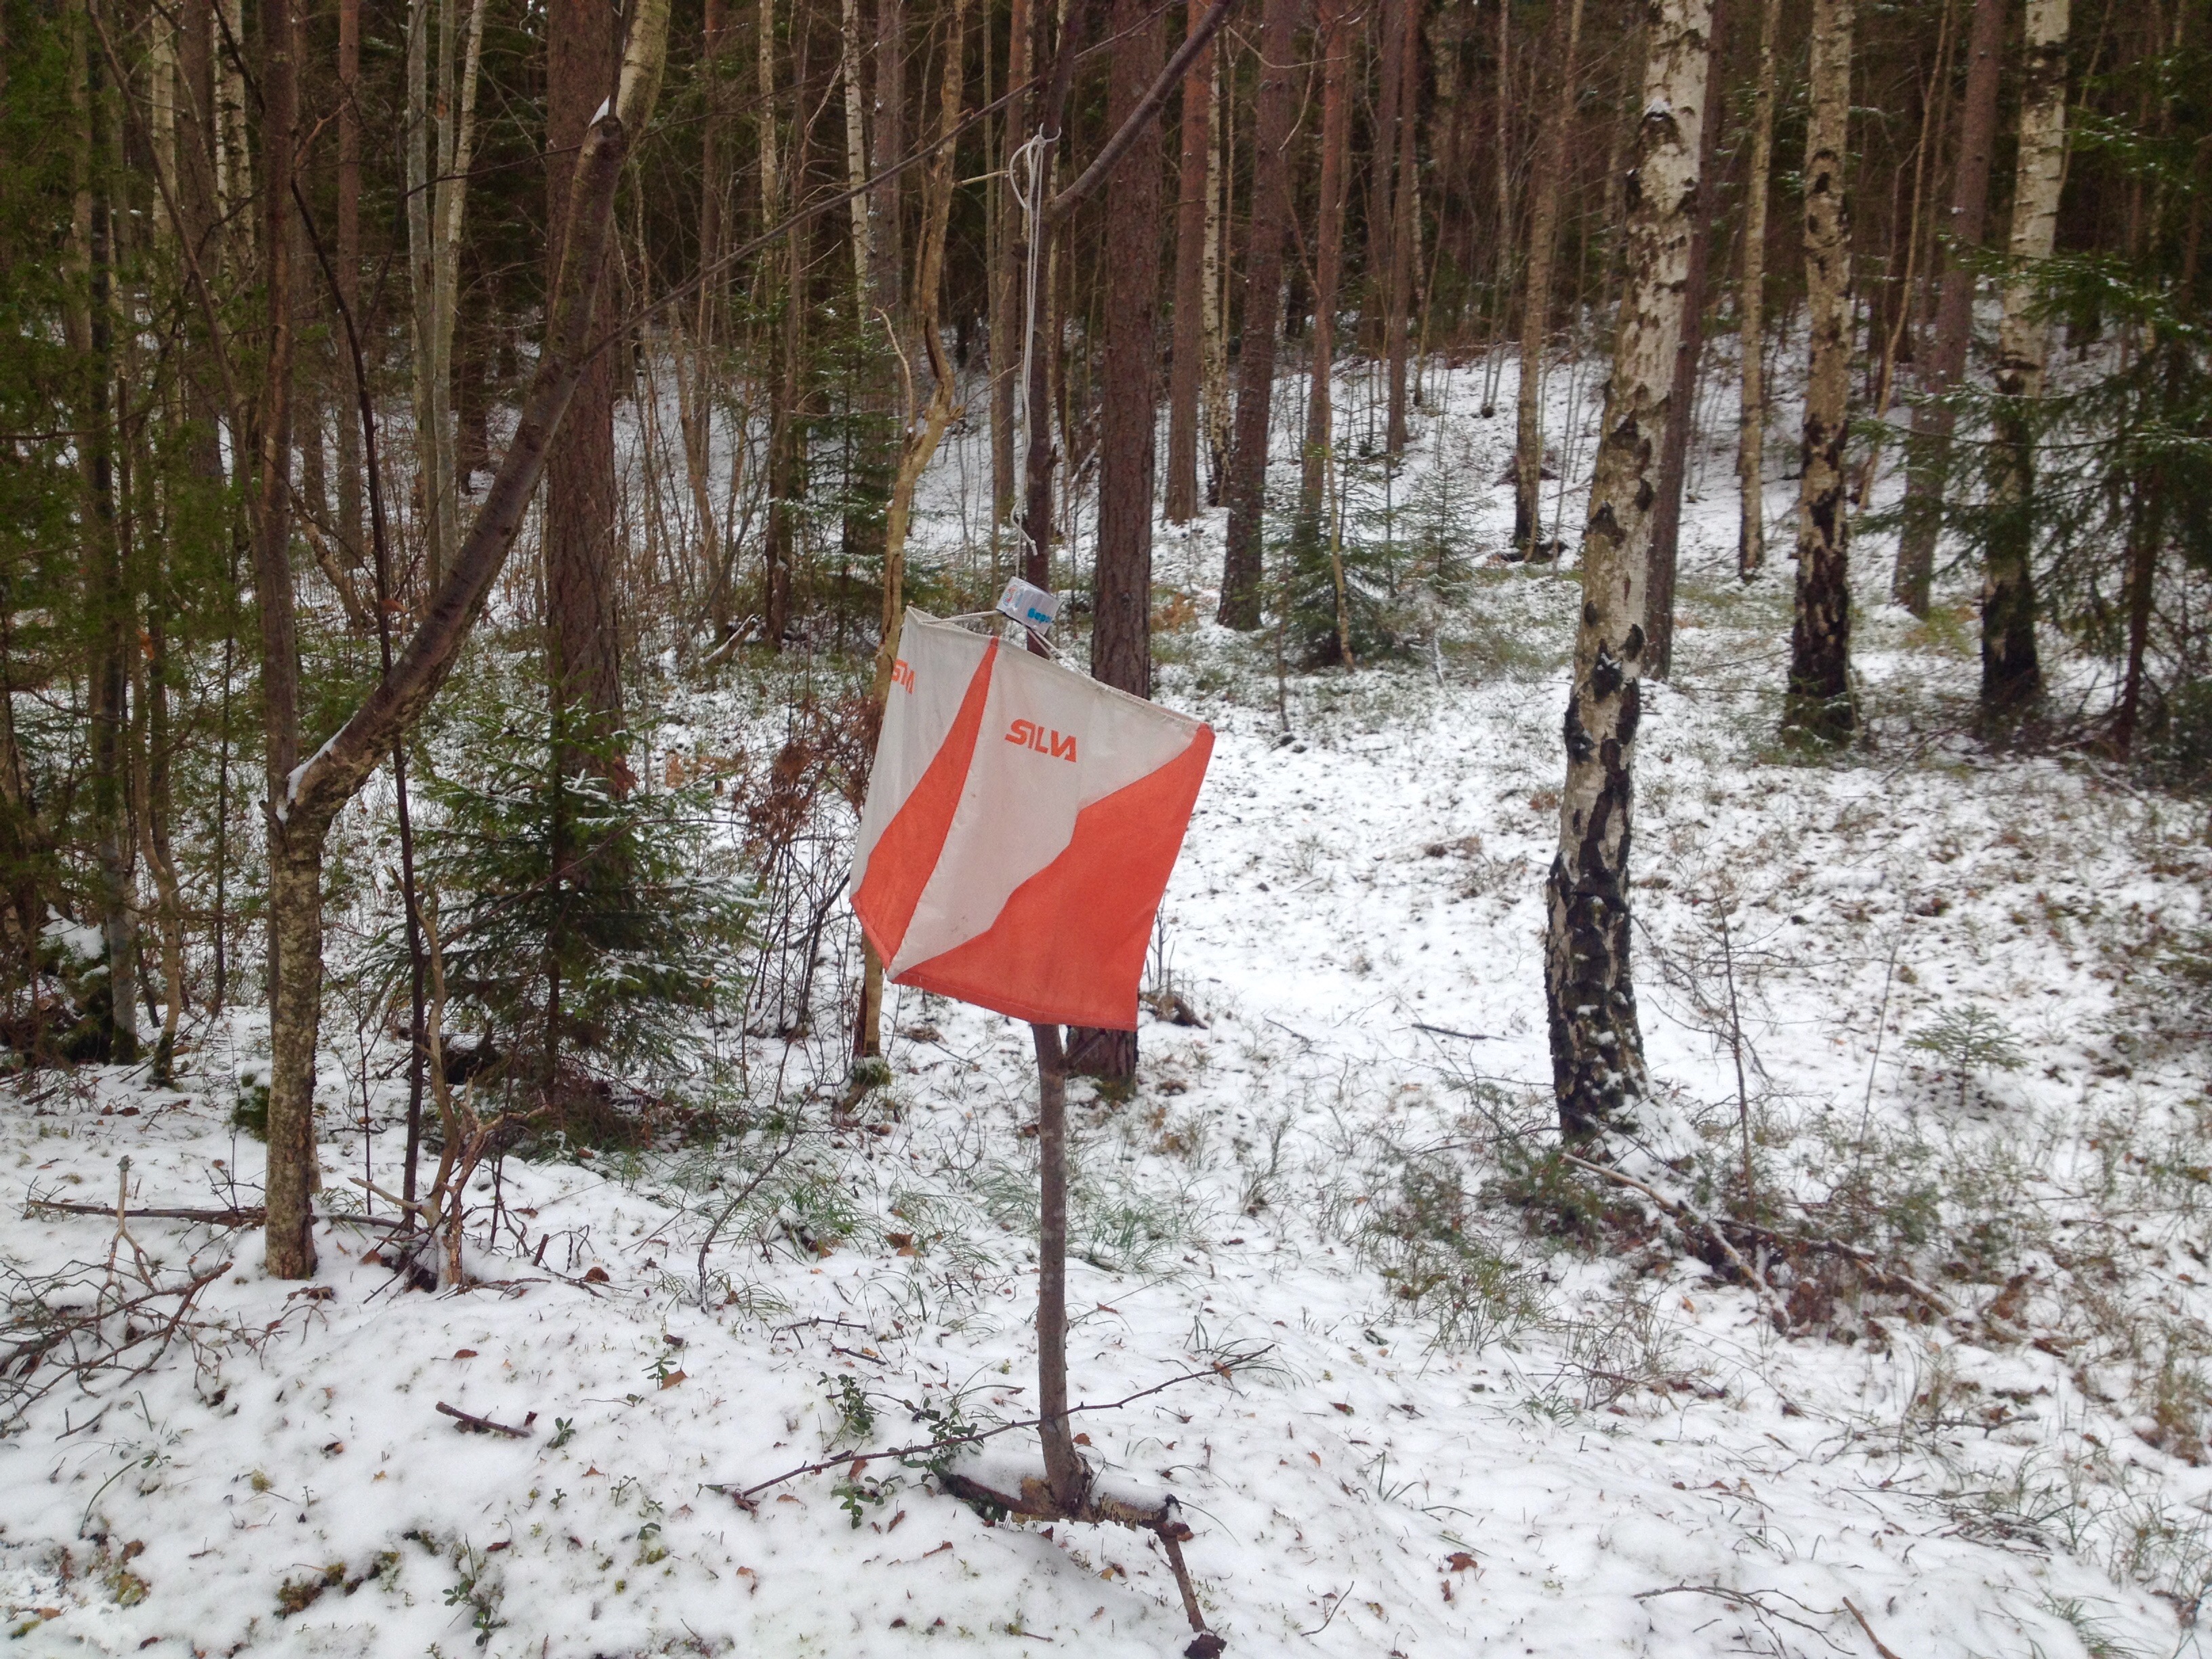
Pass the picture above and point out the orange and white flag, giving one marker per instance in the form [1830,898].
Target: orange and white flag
[1021,823]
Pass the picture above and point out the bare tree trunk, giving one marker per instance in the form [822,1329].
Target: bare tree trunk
[1063,1469]
[1328,260]
[884,232]
[1007,289]
[1382,217]
[1263,302]
[2011,675]
[233,162]
[1819,707]
[1954,313]
[582,564]
[1682,399]
[1185,368]
[1121,627]
[856,143]
[1536,299]
[1405,228]
[295,943]
[107,589]
[1597,1047]
[347,255]
[1751,312]
[1040,321]
[305,799]
[1213,277]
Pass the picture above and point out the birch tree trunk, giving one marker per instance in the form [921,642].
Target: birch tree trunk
[1213,321]
[1954,313]
[856,142]
[2011,675]
[1597,1047]
[1536,298]
[1193,174]
[1263,304]
[1818,706]
[1751,310]
[1682,401]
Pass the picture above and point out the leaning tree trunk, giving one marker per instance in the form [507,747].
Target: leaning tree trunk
[305,799]
[1185,368]
[1932,416]
[1751,312]
[1536,297]
[1597,1047]
[2011,676]
[1263,310]
[1818,706]
[1682,400]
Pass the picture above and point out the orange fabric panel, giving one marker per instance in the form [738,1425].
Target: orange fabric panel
[1069,947]
[906,852]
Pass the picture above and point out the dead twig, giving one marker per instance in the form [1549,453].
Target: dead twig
[1683,1214]
[476,1424]
[1851,1607]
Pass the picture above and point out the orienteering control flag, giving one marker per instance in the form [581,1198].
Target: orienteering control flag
[1021,822]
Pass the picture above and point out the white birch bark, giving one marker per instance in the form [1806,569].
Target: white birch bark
[1597,1047]
[1751,303]
[856,146]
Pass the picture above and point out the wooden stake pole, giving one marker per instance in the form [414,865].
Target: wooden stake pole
[1064,1472]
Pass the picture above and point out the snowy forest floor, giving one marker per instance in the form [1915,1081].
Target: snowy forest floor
[1451,1396]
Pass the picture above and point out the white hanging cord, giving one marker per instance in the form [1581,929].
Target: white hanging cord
[1025,179]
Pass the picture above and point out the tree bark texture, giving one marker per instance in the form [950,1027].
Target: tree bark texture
[1682,399]
[583,565]
[295,877]
[1063,1469]
[1121,624]
[1932,416]
[1751,310]
[348,258]
[1335,46]
[1536,296]
[1007,289]
[2011,675]
[1263,304]
[1185,368]
[1405,231]
[1597,1048]
[1818,706]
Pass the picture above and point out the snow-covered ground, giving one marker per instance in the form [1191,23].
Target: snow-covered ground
[1440,1403]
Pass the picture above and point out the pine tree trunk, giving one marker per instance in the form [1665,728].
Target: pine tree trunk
[1120,626]
[1185,368]
[1682,399]
[1954,313]
[1751,310]
[1335,47]
[582,561]
[1597,1047]
[1382,217]
[347,256]
[2011,675]
[1818,706]
[1405,231]
[1536,297]
[886,244]
[1263,282]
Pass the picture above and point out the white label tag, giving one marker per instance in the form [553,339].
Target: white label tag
[1032,607]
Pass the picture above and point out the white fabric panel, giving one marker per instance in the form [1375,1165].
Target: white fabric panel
[1018,811]
[936,662]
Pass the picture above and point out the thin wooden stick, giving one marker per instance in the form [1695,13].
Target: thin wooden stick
[1850,1607]
[481,1425]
